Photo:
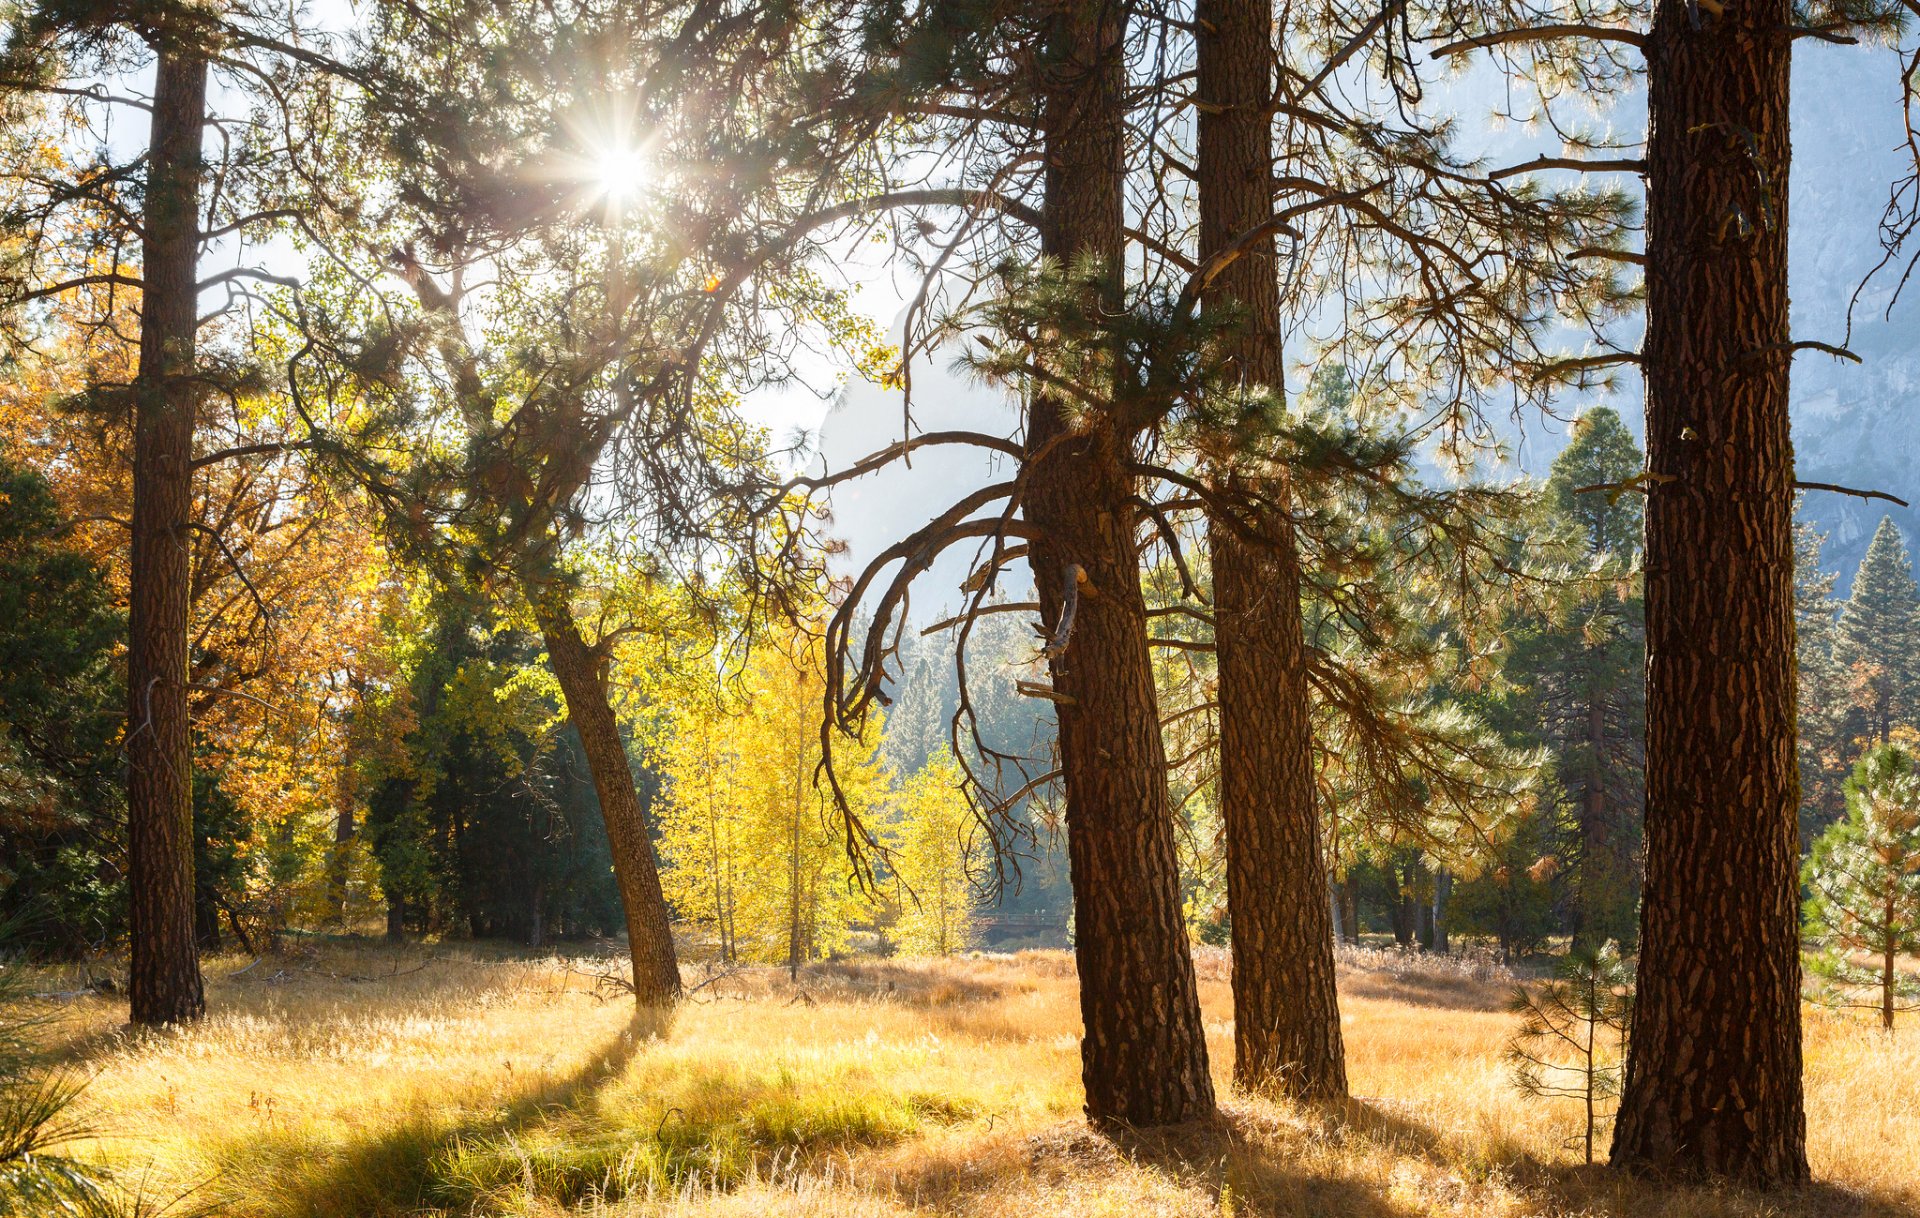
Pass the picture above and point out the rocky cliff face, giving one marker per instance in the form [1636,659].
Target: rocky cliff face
[1855,424]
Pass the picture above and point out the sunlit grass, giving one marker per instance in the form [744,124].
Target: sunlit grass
[482,1084]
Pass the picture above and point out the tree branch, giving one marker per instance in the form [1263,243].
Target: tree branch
[1620,165]
[1543,33]
[1849,490]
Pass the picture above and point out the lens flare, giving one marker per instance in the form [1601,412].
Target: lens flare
[620,171]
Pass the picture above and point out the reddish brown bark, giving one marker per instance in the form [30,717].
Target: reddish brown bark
[164,984]
[656,969]
[1713,1084]
[1285,1009]
[1144,1053]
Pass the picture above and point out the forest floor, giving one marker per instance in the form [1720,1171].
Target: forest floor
[357,1079]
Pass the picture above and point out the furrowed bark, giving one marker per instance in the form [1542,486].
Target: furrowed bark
[164,984]
[1713,1084]
[1144,1052]
[656,970]
[1286,1014]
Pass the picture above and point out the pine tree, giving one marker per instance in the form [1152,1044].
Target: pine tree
[1286,1011]
[61,711]
[1876,645]
[1719,936]
[1821,689]
[1863,882]
[935,854]
[1129,934]
[1573,1032]
[1584,671]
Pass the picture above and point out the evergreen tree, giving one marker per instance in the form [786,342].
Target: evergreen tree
[483,822]
[61,711]
[1876,645]
[1822,688]
[1572,1038]
[1582,670]
[1286,1010]
[1863,882]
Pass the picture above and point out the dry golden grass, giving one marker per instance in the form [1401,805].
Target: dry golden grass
[470,1082]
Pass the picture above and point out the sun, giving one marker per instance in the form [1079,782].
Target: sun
[620,171]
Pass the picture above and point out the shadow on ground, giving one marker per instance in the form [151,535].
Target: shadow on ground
[404,1169]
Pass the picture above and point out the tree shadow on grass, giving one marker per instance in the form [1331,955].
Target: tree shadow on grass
[1232,1162]
[1248,1166]
[1595,1189]
[402,1170]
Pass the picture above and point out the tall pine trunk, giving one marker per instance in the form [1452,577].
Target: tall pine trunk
[164,984]
[1285,1010]
[1713,1084]
[656,971]
[1144,1051]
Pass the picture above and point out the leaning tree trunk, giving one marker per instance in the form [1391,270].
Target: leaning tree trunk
[1713,1084]
[656,971]
[164,984]
[1286,1014]
[1144,1053]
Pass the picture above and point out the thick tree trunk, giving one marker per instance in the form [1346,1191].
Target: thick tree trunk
[1144,1053]
[1713,1084]
[1286,1014]
[656,971]
[164,985]
[1442,889]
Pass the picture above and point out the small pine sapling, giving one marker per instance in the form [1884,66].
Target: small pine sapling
[1572,1039]
[1863,886]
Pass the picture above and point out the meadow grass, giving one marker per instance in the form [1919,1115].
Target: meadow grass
[358,1079]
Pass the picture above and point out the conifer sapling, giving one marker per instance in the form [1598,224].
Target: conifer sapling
[1572,1039]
